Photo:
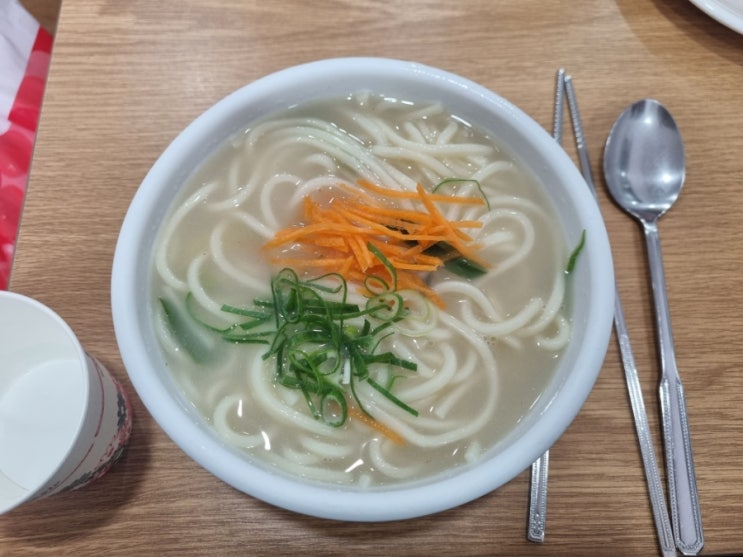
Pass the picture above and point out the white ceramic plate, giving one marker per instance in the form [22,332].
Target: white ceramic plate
[727,12]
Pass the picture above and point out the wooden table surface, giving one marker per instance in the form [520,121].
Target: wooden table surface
[127,77]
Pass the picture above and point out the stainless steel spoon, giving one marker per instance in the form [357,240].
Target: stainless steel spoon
[632,377]
[644,165]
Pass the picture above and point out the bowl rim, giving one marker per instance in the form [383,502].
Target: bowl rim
[295,494]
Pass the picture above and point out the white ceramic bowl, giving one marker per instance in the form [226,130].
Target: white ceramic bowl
[593,285]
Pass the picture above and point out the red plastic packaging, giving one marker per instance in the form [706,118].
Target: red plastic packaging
[19,115]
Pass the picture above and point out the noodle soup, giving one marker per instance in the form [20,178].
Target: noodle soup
[362,291]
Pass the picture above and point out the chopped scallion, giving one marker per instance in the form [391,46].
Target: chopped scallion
[576,252]
[322,345]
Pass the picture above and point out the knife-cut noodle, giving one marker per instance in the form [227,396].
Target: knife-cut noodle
[483,356]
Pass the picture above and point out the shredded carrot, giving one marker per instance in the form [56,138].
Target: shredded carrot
[336,235]
[385,430]
[454,235]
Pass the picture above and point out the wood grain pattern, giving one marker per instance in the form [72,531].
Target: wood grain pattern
[46,12]
[126,77]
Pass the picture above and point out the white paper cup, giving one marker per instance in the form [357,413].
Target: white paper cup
[64,420]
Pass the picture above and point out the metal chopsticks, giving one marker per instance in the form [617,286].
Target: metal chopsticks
[540,467]
[652,475]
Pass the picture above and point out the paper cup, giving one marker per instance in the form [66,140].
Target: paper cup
[64,420]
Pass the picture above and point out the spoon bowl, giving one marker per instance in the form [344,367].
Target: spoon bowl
[644,160]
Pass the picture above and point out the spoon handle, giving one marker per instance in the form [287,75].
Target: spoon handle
[685,511]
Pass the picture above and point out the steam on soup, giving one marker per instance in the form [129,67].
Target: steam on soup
[362,291]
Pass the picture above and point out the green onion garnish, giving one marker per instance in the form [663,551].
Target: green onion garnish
[576,252]
[322,344]
[449,181]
